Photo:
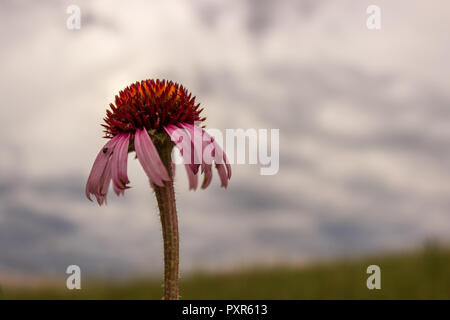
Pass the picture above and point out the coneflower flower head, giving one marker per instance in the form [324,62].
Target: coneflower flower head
[150,117]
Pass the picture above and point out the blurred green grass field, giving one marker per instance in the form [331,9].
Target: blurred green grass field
[422,274]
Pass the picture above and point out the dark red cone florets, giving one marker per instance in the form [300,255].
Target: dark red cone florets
[151,104]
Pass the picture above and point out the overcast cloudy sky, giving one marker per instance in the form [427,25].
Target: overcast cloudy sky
[364,119]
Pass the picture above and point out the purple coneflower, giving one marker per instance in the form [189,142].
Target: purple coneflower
[151,117]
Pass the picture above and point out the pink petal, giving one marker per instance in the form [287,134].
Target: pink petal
[105,181]
[149,158]
[100,173]
[219,154]
[119,164]
[207,176]
[118,190]
[200,142]
[196,137]
[193,178]
[222,174]
[182,139]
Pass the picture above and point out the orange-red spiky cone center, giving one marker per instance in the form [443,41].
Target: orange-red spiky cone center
[152,104]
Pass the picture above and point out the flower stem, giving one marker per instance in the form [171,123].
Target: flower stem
[168,213]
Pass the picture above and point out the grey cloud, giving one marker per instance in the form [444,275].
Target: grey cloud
[90,19]
[23,231]
[260,15]
[257,199]
[70,186]
[21,225]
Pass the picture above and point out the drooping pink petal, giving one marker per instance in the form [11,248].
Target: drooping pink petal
[202,144]
[182,140]
[219,155]
[118,190]
[207,176]
[149,158]
[211,145]
[97,182]
[196,138]
[105,181]
[193,178]
[208,154]
[227,165]
[145,160]
[119,160]
[222,174]
[222,164]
